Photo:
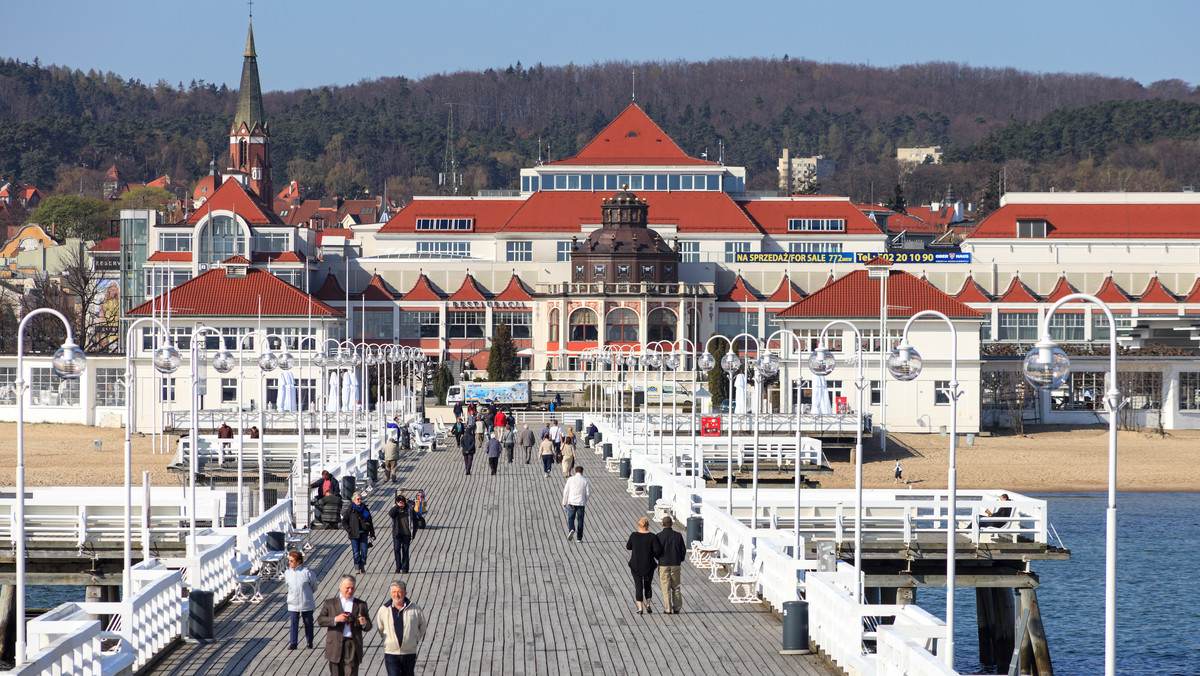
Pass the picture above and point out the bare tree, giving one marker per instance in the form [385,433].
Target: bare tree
[79,294]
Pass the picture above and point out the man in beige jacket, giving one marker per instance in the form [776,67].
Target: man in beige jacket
[402,625]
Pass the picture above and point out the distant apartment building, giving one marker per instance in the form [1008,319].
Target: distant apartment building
[794,169]
[920,155]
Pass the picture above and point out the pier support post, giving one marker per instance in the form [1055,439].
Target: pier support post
[8,626]
[1035,649]
[994,608]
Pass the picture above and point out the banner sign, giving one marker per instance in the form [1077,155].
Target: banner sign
[895,258]
[710,427]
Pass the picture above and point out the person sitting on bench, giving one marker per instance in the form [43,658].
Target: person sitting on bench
[1001,515]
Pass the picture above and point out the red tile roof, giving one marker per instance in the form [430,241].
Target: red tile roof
[236,260]
[971,292]
[334,232]
[231,196]
[470,290]
[109,244]
[857,295]
[1111,293]
[772,215]
[516,290]
[214,294]
[937,218]
[376,289]
[205,188]
[1062,288]
[1017,292]
[278,257]
[331,289]
[1193,296]
[632,139]
[878,261]
[787,292]
[740,292]
[1157,293]
[424,290]
[489,214]
[689,212]
[170,257]
[1096,221]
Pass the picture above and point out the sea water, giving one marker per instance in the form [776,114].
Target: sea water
[1158,587]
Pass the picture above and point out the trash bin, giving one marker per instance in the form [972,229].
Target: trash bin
[606,450]
[599,437]
[639,476]
[200,615]
[348,487]
[373,469]
[624,473]
[795,628]
[275,541]
[655,493]
[578,425]
[695,529]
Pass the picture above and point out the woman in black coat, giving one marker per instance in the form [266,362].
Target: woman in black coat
[646,551]
[404,525]
[467,444]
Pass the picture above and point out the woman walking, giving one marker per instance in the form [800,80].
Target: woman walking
[468,451]
[404,518]
[301,586]
[646,551]
[508,439]
[547,449]
[568,455]
[359,526]
[457,431]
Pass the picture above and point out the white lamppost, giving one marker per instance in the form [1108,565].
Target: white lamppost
[678,359]
[905,364]
[222,362]
[197,357]
[166,360]
[730,363]
[1047,367]
[797,346]
[766,365]
[671,363]
[68,362]
[653,360]
[821,362]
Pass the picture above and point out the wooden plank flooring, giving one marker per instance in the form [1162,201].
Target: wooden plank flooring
[506,593]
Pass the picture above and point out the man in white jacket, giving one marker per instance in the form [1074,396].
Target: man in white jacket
[402,625]
[576,492]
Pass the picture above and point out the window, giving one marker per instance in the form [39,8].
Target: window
[292,337]
[1100,327]
[519,252]
[293,276]
[1031,228]
[168,388]
[306,393]
[419,324]
[378,324]
[110,387]
[152,338]
[1143,388]
[734,248]
[466,324]
[985,327]
[159,279]
[271,242]
[46,388]
[8,385]
[220,239]
[582,326]
[231,339]
[1018,326]
[554,322]
[519,323]
[814,247]
[174,241]
[661,325]
[816,224]
[876,393]
[730,324]
[1189,391]
[445,223]
[1067,326]
[564,251]
[689,252]
[810,339]
[229,390]
[870,338]
[621,326]
[941,392]
[447,249]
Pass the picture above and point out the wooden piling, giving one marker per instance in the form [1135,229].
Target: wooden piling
[1035,640]
[8,628]
[995,613]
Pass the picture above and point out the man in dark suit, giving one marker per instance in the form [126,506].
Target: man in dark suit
[669,565]
[346,618]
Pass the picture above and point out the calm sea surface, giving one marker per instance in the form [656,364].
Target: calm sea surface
[1158,587]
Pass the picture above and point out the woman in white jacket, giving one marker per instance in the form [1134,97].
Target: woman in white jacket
[301,586]
[401,623]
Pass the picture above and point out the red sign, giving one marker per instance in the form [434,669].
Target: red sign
[710,427]
[843,406]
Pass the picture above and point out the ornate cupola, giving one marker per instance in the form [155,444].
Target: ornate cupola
[249,137]
[624,249]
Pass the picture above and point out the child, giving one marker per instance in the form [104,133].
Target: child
[899,474]
[301,586]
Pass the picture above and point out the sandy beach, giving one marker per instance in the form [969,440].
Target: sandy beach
[1052,459]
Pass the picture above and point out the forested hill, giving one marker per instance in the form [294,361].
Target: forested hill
[58,125]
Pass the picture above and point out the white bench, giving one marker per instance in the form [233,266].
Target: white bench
[722,566]
[704,551]
[744,588]
[245,582]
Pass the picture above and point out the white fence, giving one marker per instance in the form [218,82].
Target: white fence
[252,536]
[211,568]
[64,642]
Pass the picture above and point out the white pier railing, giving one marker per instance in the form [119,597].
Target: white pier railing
[65,642]
[211,568]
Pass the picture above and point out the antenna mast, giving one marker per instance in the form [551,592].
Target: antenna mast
[450,180]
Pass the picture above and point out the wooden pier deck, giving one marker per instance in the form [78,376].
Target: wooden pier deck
[505,592]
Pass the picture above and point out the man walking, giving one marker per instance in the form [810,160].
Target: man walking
[404,521]
[669,565]
[391,450]
[402,625]
[493,450]
[346,618]
[527,440]
[508,439]
[468,450]
[480,433]
[576,492]
[556,437]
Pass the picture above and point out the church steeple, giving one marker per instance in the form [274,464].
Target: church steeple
[249,137]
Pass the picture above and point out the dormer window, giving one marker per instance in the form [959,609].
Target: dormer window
[1030,228]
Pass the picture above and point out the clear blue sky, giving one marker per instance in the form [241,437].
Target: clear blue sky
[304,43]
